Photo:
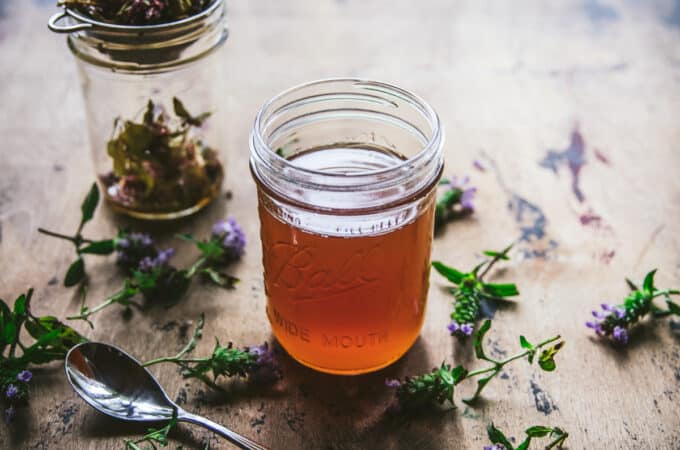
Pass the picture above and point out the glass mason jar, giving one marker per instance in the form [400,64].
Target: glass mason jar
[346,172]
[154,107]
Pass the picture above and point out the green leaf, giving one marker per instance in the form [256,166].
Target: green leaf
[673,307]
[525,444]
[524,343]
[188,237]
[210,249]
[89,204]
[546,360]
[479,340]
[75,273]
[451,274]
[220,279]
[459,373]
[501,290]
[538,431]
[499,255]
[631,285]
[182,112]
[527,345]
[496,436]
[10,332]
[100,247]
[648,284]
[20,305]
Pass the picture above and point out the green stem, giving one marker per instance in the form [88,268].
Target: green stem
[499,364]
[118,297]
[494,261]
[665,292]
[196,266]
[175,359]
[77,239]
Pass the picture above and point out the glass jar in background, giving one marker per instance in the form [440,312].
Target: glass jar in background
[155,109]
[346,172]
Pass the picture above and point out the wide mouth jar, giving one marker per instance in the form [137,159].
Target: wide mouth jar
[346,171]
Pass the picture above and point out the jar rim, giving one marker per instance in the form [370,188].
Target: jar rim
[428,112]
[107,26]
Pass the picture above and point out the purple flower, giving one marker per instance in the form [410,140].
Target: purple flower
[11,391]
[466,329]
[596,326]
[620,312]
[133,247]
[392,383]
[265,369]
[599,315]
[147,263]
[453,327]
[25,376]
[9,414]
[494,447]
[467,192]
[231,237]
[467,197]
[620,334]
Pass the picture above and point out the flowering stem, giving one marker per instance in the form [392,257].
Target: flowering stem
[77,239]
[196,266]
[499,364]
[118,297]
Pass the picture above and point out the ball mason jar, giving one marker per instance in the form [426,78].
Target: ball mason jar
[346,172]
[154,104]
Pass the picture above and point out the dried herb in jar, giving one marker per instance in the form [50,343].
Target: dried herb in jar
[159,164]
[137,12]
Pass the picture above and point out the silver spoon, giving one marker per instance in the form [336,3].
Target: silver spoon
[117,385]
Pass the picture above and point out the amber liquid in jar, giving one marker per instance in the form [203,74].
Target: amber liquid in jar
[354,301]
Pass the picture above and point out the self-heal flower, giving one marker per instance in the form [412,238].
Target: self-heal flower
[147,264]
[265,369]
[455,201]
[25,376]
[466,329]
[134,247]
[615,321]
[11,391]
[620,334]
[231,237]
[392,383]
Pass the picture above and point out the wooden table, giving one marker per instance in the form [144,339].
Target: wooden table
[511,82]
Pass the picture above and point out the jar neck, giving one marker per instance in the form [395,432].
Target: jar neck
[151,48]
[400,133]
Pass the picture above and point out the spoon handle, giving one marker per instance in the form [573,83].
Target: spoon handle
[234,438]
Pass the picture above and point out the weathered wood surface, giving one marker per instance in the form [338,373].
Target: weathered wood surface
[511,80]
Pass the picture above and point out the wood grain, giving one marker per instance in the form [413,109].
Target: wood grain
[511,81]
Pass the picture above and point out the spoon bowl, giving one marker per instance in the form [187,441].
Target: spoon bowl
[116,384]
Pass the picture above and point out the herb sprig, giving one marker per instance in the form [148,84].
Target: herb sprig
[257,364]
[615,321]
[51,341]
[136,12]
[470,289]
[439,385]
[76,272]
[154,436]
[501,442]
[456,200]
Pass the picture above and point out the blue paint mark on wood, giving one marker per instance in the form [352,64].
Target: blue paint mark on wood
[543,402]
[573,157]
[599,12]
